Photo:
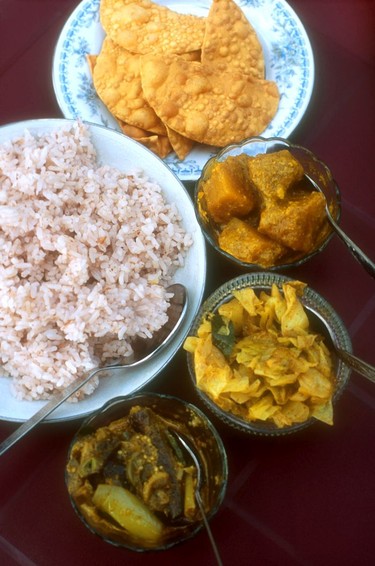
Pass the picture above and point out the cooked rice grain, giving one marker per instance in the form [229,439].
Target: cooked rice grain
[86,254]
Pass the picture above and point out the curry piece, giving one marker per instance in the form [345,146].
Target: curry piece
[274,173]
[244,242]
[228,191]
[294,223]
[151,464]
[128,511]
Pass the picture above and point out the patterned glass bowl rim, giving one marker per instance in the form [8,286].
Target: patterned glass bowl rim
[118,407]
[322,312]
[259,145]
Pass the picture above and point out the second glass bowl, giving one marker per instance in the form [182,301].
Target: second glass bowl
[323,320]
[253,147]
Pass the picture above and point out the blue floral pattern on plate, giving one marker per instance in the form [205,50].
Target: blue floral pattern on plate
[287,51]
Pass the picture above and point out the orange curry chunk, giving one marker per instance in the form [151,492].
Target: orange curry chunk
[241,240]
[295,223]
[274,173]
[227,190]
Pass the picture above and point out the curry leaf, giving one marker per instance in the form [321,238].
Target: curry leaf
[222,334]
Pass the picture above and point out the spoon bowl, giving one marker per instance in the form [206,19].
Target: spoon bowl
[144,350]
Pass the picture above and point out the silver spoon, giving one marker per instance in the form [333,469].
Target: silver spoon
[350,360]
[356,364]
[360,256]
[176,312]
[198,495]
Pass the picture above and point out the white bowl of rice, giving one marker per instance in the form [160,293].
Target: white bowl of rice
[93,228]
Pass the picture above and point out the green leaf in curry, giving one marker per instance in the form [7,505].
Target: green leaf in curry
[222,334]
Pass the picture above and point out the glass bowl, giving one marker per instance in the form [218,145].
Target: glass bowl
[322,320]
[312,166]
[140,455]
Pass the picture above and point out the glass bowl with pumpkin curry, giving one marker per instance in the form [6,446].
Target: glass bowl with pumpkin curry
[257,207]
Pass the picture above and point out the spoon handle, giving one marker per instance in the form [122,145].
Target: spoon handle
[208,529]
[198,498]
[46,410]
[358,365]
[176,313]
[356,251]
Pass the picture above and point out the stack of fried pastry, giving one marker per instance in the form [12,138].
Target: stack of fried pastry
[172,80]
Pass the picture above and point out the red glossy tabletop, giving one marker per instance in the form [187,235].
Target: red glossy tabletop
[302,500]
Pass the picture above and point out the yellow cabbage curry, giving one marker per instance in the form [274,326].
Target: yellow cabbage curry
[258,358]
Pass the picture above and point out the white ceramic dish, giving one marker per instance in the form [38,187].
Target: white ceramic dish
[288,57]
[119,151]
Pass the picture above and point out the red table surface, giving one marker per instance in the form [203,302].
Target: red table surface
[307,499]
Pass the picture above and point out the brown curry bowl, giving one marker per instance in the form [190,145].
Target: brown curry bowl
[132,482]
[232,399]
[278,232]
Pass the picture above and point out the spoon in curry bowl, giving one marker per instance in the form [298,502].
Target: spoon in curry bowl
[350,360]
[356,364]
[198,498]
[144,349]
[356,251]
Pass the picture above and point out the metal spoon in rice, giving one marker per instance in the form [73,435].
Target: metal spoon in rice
[144,350]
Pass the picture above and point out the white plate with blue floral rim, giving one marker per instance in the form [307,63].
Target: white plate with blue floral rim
[288,58]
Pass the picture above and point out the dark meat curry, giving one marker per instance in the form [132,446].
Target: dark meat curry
[131,478]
